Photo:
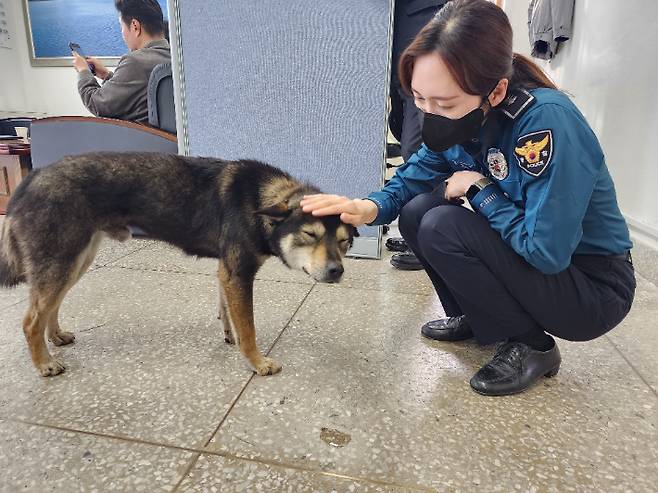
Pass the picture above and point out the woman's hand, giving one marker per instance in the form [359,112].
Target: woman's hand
[352,211]
[459,183]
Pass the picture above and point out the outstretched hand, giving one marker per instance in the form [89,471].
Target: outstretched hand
[352,211]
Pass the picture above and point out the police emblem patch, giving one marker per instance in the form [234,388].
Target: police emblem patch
[497,164]
[534,151]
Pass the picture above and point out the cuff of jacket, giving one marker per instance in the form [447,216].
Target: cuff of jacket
[488,200]
[86,75]
[109,76]
[378,198]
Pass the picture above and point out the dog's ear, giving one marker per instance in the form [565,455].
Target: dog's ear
[278,211]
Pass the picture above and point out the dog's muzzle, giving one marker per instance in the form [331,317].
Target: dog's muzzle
[333,272]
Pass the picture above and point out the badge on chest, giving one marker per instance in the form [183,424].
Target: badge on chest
[497,164]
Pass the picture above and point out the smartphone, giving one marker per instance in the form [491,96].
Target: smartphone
[76,47]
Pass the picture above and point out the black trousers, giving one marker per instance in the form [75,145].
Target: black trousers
[405,120]
[477,274]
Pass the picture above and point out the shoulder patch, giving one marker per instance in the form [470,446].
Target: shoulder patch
[534,151]
[516,103]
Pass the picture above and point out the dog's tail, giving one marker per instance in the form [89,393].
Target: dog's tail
[11,266]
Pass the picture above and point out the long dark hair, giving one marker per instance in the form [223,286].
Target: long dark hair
[474,39]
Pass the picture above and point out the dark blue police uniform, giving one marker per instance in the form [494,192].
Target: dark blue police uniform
[547,248]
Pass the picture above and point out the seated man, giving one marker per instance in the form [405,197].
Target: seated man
[123,92]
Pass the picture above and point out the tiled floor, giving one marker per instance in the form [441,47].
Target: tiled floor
[154,400]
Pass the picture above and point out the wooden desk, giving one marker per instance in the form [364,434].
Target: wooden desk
[15,164]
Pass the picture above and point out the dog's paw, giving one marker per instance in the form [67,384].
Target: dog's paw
[229,338]
[268,366]
[62,338]
[51,368]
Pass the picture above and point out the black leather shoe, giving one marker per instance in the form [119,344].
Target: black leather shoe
[406,261]
[396,244]
[514,368]
[448,329]
[393,150]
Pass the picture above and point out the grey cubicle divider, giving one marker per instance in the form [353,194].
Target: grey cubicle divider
[299,84]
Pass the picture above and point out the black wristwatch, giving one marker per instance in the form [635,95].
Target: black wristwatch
[475,188]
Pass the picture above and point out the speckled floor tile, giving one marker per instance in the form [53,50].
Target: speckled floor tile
[9,297]
[637,336]
[381,275]
[213,474]
[149,360]
[112,250]
[109,251]
[412,418]
[34,459]
[163,257]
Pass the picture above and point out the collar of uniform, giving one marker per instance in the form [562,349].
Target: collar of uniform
[517,102]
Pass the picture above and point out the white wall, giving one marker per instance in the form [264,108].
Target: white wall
[35,91]
[610,67]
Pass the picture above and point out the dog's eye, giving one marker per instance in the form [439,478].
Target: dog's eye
[310,234]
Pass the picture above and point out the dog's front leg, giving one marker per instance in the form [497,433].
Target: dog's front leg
[238,296]
[229,331]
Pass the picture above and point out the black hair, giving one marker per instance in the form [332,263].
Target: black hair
[147,12]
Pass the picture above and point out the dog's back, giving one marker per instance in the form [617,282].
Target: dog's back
[181,200]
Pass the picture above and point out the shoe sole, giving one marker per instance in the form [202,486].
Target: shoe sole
[400,249]
[406,267]
[548,374]
[446,340]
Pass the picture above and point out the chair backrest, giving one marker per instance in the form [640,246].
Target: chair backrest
[56,137]
[160,95]
[8,125]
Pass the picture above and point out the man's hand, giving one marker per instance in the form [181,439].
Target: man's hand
[79,63]
[101,70]
[459,183]
[352,211]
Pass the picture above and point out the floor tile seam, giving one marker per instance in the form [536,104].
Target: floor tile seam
[244,388]
[646,279]
[628,361]
[175,271]
[22,300]
[188,469]
[394,291]
[214,453]
[110,262]
[292,317]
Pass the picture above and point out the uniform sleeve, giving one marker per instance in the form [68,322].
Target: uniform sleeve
[420,174]
[560,159]
[116,96]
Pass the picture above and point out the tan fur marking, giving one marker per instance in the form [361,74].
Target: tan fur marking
[227,178]
[239,299]
[277,191]
[55,335]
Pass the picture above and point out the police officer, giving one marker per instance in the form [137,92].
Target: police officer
[545,250]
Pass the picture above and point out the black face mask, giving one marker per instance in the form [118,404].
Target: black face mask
[441,133]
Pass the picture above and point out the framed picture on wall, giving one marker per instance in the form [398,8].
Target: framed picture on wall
[94,24]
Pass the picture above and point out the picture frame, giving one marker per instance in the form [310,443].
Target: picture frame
[94,24]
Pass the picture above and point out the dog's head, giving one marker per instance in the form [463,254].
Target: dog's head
[315,245]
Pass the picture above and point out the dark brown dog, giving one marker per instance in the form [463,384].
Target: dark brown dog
[240,212]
